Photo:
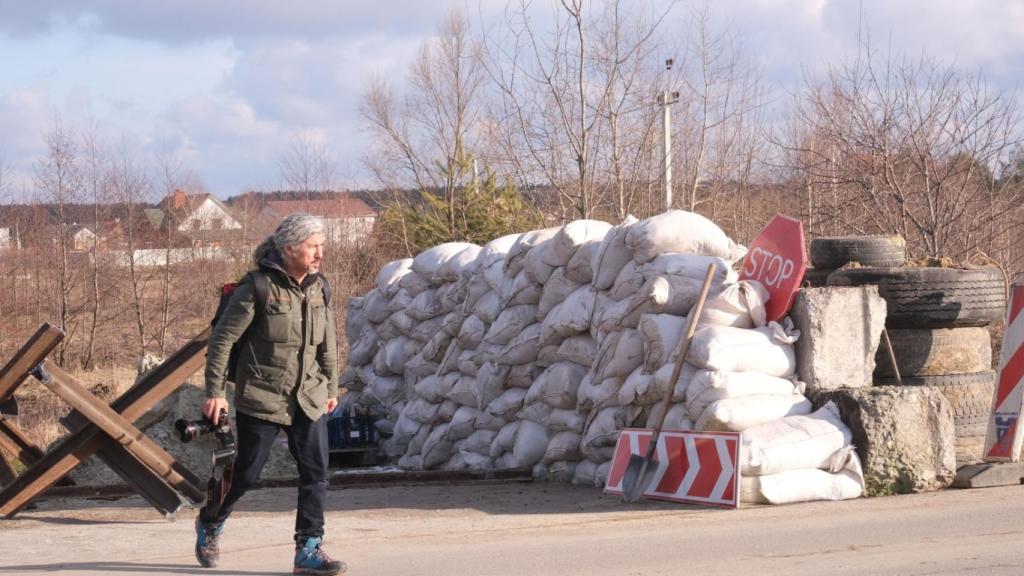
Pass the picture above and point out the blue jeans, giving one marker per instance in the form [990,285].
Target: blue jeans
[307,442]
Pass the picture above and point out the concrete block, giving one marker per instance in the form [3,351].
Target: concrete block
[989,475]
[840,328]
[904,436]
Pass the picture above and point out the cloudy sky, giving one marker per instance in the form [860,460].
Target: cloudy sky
[227,85]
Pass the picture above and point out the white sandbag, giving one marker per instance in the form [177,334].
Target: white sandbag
[472,332]
[635,385]
[463,392]
[693,266]
[661,335]
[612,255]
[390,274]
[488,307]
[523,348]
[438,447]
[462,263]
[522,376]
[557,385]
[494,276]
[427,329]
[418,367]
[436,388]
[520,290]
[534,267]
[507,404]
[362,350]
[710,386]
[496,250]
[506,460]
[447,410]
[476,287]
[404,430]
[554,292]
[504,440]
[538,412]
[768,350]
[676,419]
[510,323]
[604,429]
[402,322]
[355,318]
[580,349]
[622,314]
[566,421]
[626,356]
[486,352]
[680,231]
[349,380]
[421,411]
[740,305]
[425,306]
[627,282]
[561,471]
[428,262]
[600,395]
[452,323]
[571,236]
[387,331]
[580,267]
[547,356]
[584,473]
[806,485]
[401,300]
[416,443]
[568,318]
[413,283]
[462,424]
[563,446]
[451,295]
[490,382]
[487,421]
[601,474]
[467,364]
[435,348]
[665,295]
[531,443]
[738,414]
[794,442]
[646,392]
[479,442]
[375,306]
[466,460]
[516,257]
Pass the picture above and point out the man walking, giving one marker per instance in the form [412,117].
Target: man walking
[285,378]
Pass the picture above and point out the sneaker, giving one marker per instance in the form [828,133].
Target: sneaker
[311,559]
[207,543]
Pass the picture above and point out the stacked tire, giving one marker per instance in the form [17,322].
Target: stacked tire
[936,319]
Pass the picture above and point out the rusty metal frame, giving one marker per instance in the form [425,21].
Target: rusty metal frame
[105,429]
[12,375]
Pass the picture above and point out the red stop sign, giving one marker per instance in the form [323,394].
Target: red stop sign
[777,260]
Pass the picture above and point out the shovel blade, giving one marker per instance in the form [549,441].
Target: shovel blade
[637,477]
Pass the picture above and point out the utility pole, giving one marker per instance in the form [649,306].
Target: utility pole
[665,99]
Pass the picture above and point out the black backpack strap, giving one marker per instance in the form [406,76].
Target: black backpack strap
[261,290]
[326,286]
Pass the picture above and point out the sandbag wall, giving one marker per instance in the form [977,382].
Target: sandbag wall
[537,348]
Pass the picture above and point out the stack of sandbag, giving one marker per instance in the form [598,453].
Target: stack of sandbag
[800,458]
[405,327]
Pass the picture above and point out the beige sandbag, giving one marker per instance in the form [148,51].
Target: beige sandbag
[768,350]
[580,268]
[807,485]
[794,442]
[612,255]
[568,318]
[580,349]
[709,386]
[509,323]
[390,274]
[523,348]
[738,414]
[740,305]
[554,292]
[571,236]
[680,231]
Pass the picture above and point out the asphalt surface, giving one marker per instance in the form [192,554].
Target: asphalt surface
[537,529]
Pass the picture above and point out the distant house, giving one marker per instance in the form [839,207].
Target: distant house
[207,220]
[346,218]
[82,238]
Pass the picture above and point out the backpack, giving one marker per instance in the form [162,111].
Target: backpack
[261,290]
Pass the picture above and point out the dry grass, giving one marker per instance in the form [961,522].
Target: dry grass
[40,410]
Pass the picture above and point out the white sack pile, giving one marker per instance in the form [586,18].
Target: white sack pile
[536,349]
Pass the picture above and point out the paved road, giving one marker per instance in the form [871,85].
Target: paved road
[539,529]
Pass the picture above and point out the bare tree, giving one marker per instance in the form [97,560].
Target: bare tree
[59,177]
[307,167]
[909,147]
[131,188]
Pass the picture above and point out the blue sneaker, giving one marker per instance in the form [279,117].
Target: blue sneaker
[207,543]
[311,559]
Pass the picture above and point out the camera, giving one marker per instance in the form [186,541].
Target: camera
[189,430]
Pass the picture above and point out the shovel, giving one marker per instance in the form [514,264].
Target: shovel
[639,471]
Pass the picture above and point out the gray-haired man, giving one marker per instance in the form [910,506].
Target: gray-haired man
[286,378]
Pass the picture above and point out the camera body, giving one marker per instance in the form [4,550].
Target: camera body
[189,430]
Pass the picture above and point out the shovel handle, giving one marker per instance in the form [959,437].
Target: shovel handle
[685,347]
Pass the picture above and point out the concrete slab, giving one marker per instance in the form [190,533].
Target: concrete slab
[987,475]
[840,328]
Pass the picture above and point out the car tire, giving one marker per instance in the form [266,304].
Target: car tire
[875,251]
[933,352]
[932,297]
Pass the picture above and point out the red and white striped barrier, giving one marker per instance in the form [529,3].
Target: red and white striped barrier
[1003,441]
[693,467]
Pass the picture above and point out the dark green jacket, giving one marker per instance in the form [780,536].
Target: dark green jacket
[289,360]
